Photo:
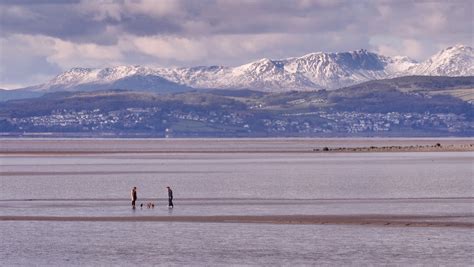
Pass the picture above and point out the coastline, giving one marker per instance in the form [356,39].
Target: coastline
[221,146]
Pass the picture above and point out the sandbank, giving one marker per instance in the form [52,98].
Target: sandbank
[43,147]
[464,221]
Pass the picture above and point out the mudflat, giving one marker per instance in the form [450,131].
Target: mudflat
[276,145]
[463,221]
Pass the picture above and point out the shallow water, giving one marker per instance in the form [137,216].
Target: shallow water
[263,183]
[243,175]
[125,243]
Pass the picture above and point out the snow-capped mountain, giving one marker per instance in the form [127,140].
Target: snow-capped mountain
[264,74]
[452,61]
[309,72]
[333,70]
[122,77]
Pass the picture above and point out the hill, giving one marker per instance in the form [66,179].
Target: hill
[406,106]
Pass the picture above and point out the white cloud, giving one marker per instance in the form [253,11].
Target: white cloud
[413,48]
[390,46]
[118,10]
[216,49]
[44,39]
[68,54]
[169,47]
[37,58]
[23,60]
[154,8]
[21,44]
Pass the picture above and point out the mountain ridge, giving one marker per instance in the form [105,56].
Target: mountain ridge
[312,71]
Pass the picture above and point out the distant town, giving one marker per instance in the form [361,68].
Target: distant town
[214,123]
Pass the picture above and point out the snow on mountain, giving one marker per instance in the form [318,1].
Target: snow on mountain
[121,77]
[452,61]
[309,72]
[78,76]
[333,70]
[399,64]
[263,74]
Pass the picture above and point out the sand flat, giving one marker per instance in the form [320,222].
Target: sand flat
[212,145]
[465,221]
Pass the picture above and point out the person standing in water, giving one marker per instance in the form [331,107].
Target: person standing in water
[170,197]
[133,194]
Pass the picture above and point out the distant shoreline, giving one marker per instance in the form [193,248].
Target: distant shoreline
[413,148]
[220,146]
[365,220]
[416,148]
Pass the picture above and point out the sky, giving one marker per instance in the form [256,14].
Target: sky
[41,38]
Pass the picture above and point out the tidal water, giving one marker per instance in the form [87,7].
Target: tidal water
[241,180]
[204,244]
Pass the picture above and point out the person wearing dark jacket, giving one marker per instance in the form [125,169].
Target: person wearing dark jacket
[133,195]
[170,197]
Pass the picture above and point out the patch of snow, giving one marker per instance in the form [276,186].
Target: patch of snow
[309,72]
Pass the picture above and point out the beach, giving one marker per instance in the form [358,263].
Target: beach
[405,199]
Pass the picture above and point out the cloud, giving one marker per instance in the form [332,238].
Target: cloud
[85,21]
[68,54]
[23,60]
[412,48]
[53,35]
[166,48]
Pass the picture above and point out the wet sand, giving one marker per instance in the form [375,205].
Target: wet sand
[464,221]
[375,149]
[284,145]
